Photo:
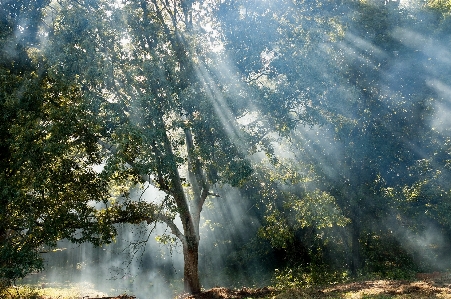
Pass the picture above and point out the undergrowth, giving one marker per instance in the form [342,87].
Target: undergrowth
[30,292]
[304,277]
[19,292]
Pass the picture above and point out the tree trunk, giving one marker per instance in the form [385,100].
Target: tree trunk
[355,250]
[191,260]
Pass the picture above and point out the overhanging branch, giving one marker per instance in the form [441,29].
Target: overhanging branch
[169,222]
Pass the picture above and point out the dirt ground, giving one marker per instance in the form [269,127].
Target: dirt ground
[380,289]
[219,293]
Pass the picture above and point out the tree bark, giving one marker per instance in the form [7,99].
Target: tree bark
[189,217]
[191,261]
[355,248]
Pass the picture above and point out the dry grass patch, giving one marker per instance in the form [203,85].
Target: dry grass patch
[377,289]
[75,291]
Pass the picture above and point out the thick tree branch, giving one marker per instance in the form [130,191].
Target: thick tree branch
[195,169]
[175,181]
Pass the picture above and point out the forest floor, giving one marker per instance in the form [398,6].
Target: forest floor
[371,289]
[377,289]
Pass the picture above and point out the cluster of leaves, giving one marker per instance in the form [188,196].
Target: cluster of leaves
[301,277]
[442,6]
[292,204]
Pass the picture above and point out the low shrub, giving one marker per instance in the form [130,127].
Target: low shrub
[303,277]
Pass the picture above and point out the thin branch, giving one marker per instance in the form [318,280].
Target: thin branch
[169,222]
[266,72]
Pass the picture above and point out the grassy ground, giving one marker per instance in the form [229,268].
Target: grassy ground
[372,289]
[77,291]
[380,289]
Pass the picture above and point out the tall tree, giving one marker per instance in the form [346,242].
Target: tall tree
[167,120]
[47,151]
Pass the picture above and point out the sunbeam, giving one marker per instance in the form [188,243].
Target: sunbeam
[161,147]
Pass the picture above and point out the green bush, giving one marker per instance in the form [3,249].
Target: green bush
[21,292]
[306,276]
[17,261]
[385,258]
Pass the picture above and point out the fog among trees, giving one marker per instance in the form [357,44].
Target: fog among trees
[224,142]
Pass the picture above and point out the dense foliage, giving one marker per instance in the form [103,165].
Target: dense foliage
[381,140]
[48,150]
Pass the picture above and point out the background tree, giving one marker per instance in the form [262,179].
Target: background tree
[388,128]
[358,76]
[290,63]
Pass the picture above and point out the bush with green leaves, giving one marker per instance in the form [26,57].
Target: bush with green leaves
[21,292]
[307,276]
